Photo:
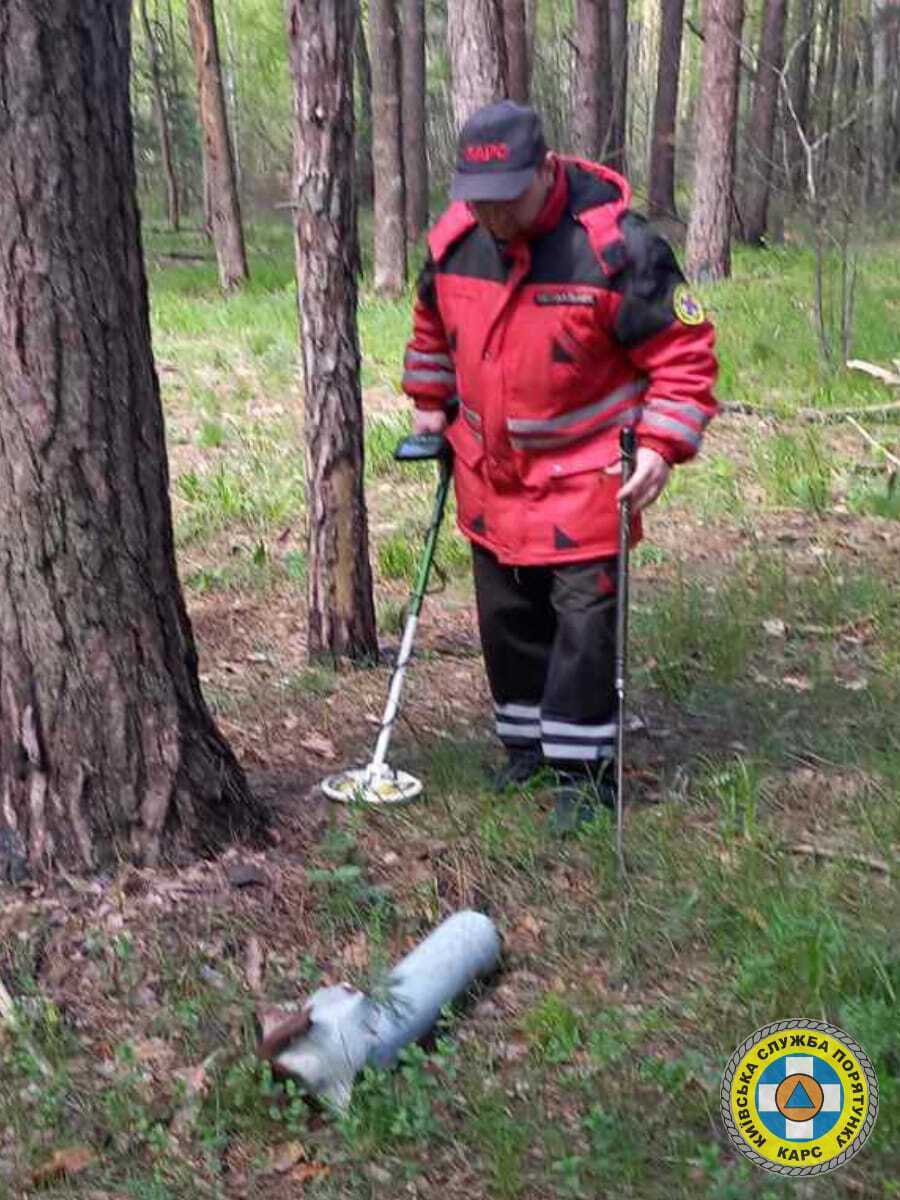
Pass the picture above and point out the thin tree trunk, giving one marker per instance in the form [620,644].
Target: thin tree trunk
[517,60]
[387,151]
[365,169]
[661,190]
[341,609]
[798,89]
[477,55]
[708,248]
[881,103]
[826,79]
[617,152]
[415,158]
[162,120]
[229,83]
[761,133]
[592,102]
[107,749]
[227,230]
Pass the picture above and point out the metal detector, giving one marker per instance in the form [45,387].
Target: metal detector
[378,784]
[627,446]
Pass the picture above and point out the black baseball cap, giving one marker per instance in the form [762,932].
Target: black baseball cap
[500,148]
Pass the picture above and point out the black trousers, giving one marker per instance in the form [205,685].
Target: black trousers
[548,638]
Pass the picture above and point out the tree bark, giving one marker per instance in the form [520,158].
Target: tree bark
[365,170]
[341,608]
[415,158]
[107,748]
[387,151]
[517,59]
[162,121]
[616,155]
[592,86]
[225,215]
[708,248]
[881,101]
[661,190]
[800,50]
[761,132]
[477,55]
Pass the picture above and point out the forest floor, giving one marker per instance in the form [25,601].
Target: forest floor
[762,832]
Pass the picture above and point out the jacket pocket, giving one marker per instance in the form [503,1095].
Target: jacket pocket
[545,468]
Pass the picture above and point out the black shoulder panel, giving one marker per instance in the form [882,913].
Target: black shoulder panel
[646,283]
[589,191]
[565,255]
[477,255]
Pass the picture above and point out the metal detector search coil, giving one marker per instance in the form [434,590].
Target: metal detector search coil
[361,787]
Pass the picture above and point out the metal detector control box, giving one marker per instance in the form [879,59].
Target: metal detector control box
[421,447]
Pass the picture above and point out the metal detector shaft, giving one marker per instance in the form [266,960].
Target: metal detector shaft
[627,444]
[415,607]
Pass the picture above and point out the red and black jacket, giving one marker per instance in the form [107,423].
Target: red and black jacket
[551,344]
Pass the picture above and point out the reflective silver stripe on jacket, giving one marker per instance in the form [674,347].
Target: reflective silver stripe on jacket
[473,420]
[670,424]
[528,433]
[445,377]
[433,360]
[626,417]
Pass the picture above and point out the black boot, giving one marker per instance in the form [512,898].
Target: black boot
[580,794]
[522,764]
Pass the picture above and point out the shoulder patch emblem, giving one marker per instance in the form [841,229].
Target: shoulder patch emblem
[687,307]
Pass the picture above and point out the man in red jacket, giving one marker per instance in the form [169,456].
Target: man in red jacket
[553,316]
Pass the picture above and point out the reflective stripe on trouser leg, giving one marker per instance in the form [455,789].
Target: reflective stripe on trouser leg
[518,724]
[578,707]
[517,623]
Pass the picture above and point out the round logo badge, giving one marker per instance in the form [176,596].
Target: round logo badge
[799,1097]
[687,307]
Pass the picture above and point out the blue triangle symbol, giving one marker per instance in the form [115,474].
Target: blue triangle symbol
[799,1098]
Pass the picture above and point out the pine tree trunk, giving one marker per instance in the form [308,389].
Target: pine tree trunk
[162,121]
[341,608]
[798,81]
[365,170]
[881,101]
[227,230]
[107,748]
[616,150]
[661,190]
[592,101]
[761,132]
[516,40]
[387,151]
[477,55]
[415,158]
[708,248]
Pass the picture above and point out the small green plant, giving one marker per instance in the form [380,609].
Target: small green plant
[212,434]
[796,470]
[554,1030]
[732,789]
[503,1139]
[391,616]
[876,501]
[390,1107]
[348,897]
[311,681]
[397,558]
